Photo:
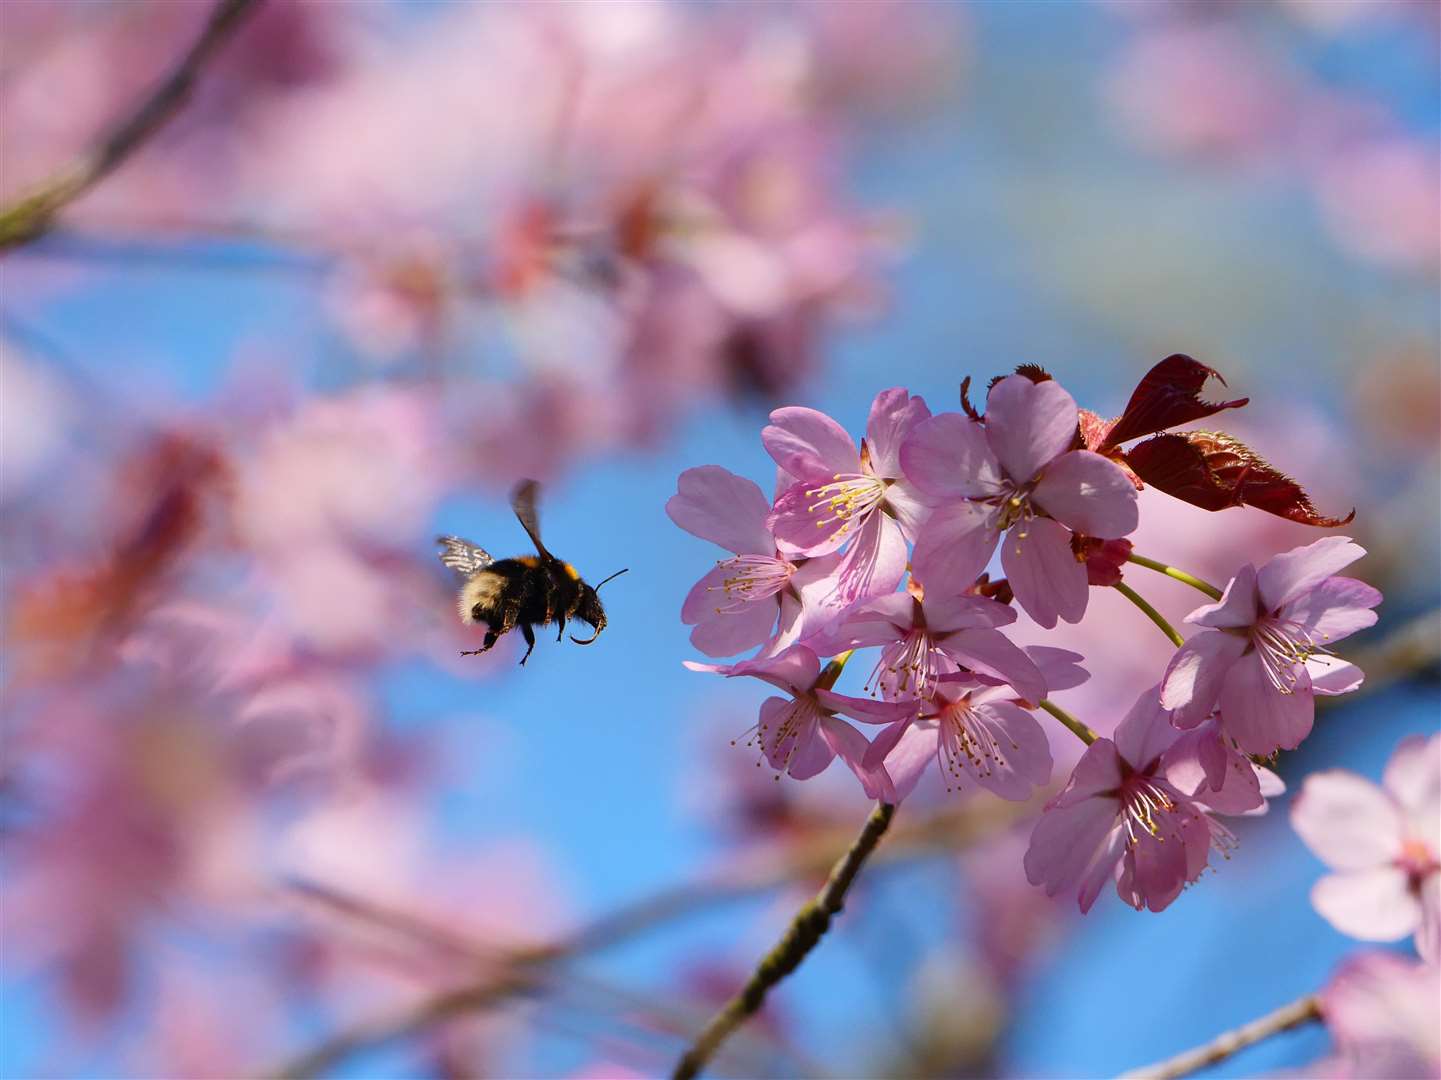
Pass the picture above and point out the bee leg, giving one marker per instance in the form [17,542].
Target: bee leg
[529,636]
[490,637]
[560,633]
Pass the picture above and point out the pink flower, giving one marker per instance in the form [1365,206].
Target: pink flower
[1120,816]
[1016,470]
[1266,654]
[972,730]
[802,735]
[843,494]
[925,637]
[1381,1011]
[1384,844]
[735,606]
[1206,765]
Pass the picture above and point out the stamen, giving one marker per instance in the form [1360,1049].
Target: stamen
[1283,648]
[848,498]
[752,577]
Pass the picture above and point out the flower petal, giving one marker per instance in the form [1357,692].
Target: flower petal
[948,456]
[1090,493]
[874,563]
[1413,775]
[866,710]
[1238,606]
[1428,931]
[1097,774]
[1194,677]
[1066,843]
[1021,761]
[954,545]
[1370,905]
[945,613]
[810,445]
[800,529]
[1257,715]
[1334,608]
[717,505]
[1059,667]
[894,414]
[1348,822]
[795,670]
[1331,676]
[909,507]
[1145,733]
[1043,572]
[905,750]
[1285,577]
[1029,424]
[992,653]
[850,746]
[728,633]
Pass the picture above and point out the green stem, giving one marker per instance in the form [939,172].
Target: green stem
[1151,613]
[1080,730]
[832,671]
[1180,575]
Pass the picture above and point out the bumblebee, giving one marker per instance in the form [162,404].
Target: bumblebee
[526,591]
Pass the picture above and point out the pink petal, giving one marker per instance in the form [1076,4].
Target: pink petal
[954,546]
[726,634]
[1066,842]
[945,613]
[906,751]
[1238,606]
[866,710]
[1347,821]
[874,563]
[1428,930]
[1096,775]
[810,445]
[1203,766]
[1370,905]
[1145,733]
[1194,677]
[1331,676]
[802,529]
[1023,759]
[717,505]
[948,456]
[795,670]
[850,746]
[894,414]
[909,507]
[1413,775]
[1257,715]
[1059,667]
[791,627]
[1103,867]
[1334,608]
[813,753]
[814,582]
[992,653]
[1043,571]
[1089,493]
[1287,576]
[1029,424]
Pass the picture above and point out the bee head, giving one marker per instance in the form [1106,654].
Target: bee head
[590,610]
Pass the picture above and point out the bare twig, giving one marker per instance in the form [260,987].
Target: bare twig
[803,934]
[33,213]
[1302,1011]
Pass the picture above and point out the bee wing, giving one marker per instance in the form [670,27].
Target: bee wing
[462,556]
[522,501]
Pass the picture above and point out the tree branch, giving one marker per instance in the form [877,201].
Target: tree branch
[804,933]
[32,214]
[1301,1011]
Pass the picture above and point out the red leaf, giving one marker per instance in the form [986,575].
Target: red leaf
[1213,470]
[1168,395]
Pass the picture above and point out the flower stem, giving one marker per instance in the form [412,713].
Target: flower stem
[1151,613]
[1180,575]
[1080,730]
[803,934]
[1302,1011]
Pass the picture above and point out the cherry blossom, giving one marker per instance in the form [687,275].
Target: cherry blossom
[1384,844]
[1016,472]
[1266,651]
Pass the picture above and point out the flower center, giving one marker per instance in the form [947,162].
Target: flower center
[1418,860]
[907,668]
[1146,809]
[750,578]
[778,738]
[964,738]
[1283,645]
[847,499]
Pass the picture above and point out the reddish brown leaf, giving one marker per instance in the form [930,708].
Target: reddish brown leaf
[966,406]
[1034,372]
[1168,395]
[1213,470]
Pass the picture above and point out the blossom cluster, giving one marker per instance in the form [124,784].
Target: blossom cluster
[889,544]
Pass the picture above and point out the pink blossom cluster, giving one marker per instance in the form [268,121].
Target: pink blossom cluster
[888,545]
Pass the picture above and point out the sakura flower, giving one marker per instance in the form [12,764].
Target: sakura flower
[972,730]
[845,495]
[1119,817]
[1206,765]
[734,607]
[926,636]
[1016,472]
[1381,1011]
[1384,844]
[1266,652]
[802,735]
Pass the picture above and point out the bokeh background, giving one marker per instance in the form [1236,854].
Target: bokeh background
[392,257]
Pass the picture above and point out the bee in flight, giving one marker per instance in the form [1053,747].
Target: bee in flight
[526,591]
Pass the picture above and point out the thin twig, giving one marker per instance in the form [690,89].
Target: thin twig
[1150,613]
[1301,1011]
[803,934]
[33,213]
